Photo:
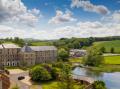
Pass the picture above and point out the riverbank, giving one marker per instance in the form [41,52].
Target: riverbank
[105,68]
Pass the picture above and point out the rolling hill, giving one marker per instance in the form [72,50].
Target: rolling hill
[108,45]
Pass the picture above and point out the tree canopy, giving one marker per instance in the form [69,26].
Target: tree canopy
[63,54]
[94,57]
[39,73]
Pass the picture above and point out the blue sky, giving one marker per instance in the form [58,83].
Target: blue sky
[53,19]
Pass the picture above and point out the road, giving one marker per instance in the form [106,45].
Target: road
[14,80]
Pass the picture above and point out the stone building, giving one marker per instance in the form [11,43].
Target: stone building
[9,54]
[13,55]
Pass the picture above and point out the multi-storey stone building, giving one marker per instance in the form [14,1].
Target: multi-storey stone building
[13,55]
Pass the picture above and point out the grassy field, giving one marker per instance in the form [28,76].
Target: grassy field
[112,60]
[54,85]
[106,68]
[115,60]
[78,60]
[50,85]
[108,45]
[41,43]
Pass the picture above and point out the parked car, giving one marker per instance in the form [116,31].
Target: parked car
[21,78]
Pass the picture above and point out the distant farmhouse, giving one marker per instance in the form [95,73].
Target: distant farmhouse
[77,53]
[13,55]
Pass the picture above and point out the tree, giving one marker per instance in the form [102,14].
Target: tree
[112,50]
[39,73]
[93,57]
[102,49]
[76,44]
[66,81]
[63,54]
[99,85]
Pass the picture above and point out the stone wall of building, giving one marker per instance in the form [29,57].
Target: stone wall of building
[28,59]
[46,56]
[12,55]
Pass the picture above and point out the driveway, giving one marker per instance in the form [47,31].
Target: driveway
[14,74]
[23,84]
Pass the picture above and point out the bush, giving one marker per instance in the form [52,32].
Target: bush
[99,85]
[48,67]
[58,65]
[39,73]
[112,50]
[55,73]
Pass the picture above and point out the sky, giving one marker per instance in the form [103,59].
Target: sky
[54,19]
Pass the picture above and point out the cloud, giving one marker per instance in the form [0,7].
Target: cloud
[113,18]
[88,6]
[80,29]
[87,29]
[62,17]
[16,11]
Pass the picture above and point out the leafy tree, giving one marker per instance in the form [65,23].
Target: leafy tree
[55,73]
[93,57]
[99,85]
[76,44]
[112,50]
[39,73]
[102,49]
[63,54]
[66,81]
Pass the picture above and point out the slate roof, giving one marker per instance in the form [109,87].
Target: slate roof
[43,48]
[26,48]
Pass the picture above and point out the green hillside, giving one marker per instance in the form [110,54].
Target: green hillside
[41,43]
[108,45]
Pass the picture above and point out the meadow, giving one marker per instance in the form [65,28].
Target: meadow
[41,43]
[112,60]
[108,45]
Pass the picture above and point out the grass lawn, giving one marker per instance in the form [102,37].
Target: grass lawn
[78,60]
[112,60]
[106,68]
[54,85]
[108,45]
[50,85]
[108,60]
[41,43]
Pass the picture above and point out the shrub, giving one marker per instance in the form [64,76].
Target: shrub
[39,73]
[99,85]
[58,65]
[55,73]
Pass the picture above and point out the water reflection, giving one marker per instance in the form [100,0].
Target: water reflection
[112,80]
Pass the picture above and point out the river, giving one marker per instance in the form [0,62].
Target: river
[112,80]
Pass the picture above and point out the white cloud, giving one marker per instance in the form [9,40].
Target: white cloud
[80,29]
[16,11]
[62,17]
[87,29]
[88,6]
[112,18]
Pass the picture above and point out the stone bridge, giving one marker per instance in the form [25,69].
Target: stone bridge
[88,81]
